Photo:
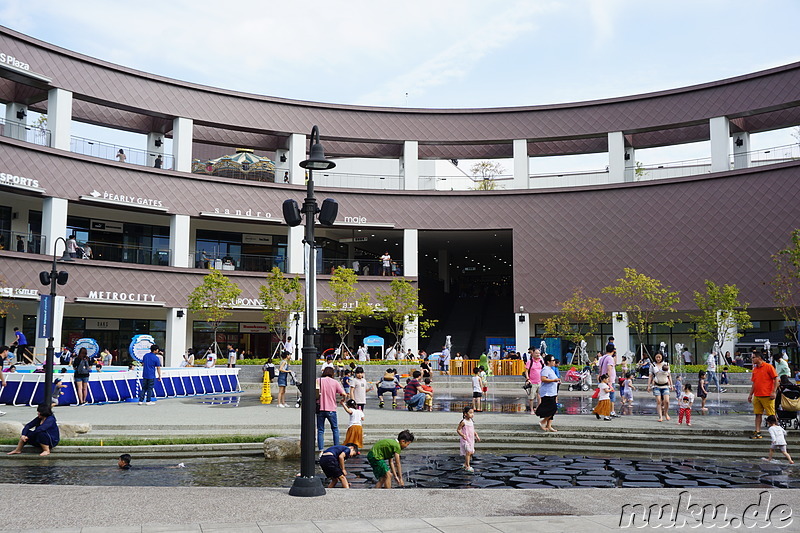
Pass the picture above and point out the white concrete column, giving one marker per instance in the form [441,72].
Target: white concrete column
[154,151]
[622,336]
[522,167]
[410,252]
[444,270]
[616,157]
[409,165]
[179,241]
[40,345]
[741,154]
[59,118]
[720,144]
[296,154]
[522,331]
[15,126]
[410,337]
[295,257]
[630,164]
[182,134]
[175,344]
[54,222]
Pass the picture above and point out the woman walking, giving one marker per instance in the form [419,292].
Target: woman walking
[660,382]
[82,367]
[548,392]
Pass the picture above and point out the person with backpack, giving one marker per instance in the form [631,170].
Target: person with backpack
[533,377]
[82,367]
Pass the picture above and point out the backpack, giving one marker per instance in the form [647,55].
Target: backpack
[82,367]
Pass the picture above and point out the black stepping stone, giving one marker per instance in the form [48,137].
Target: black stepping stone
[747,486]
[432,485]
[643,478]
[562,472]
[713,482]
[596,478]
[558,483]
[599,473]
[523,479]
[675,477]
[533,486]
[680,483]
[641,485]
[486,483]
[429,472]
[530,473]
[597,483]
[771,468]
[524,459]
[497,475]
[555,478]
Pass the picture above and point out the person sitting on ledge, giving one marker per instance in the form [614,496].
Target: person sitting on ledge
[42,431]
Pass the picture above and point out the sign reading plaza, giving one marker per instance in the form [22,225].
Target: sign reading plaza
[8,59]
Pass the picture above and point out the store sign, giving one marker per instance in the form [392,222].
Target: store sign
[8,59]
[7,178]
[241,213]
[251,238]
[106,225]
[249,302]
[355,220]
[102,324]
[17,292]
[255,327]
[129,197]
[122,296]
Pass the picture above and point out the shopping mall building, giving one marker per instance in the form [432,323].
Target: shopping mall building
[490,264]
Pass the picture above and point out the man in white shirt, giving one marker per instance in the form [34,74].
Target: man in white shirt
[231,357]
[288,346]
[363,353]
[711,370]
[386,262]
[211,359]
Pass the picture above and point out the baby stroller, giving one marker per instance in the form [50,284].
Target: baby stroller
[789,408]
[293,381]
[578,380]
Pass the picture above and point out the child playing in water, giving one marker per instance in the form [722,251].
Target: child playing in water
[332,463]
[778,436]
[355,432]
[685,405]
[57,386]
[702,392]
[627,390]
[466,430]
[428,390]
[384,458]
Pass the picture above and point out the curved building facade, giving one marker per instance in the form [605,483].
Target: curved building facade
[491,262]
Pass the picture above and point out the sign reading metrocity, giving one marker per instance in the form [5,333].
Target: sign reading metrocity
[8,178]
[122,296]
[127,197]
[8,59]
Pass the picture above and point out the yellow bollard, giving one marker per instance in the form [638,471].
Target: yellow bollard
[266,392]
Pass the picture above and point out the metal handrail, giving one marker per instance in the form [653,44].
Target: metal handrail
[133,156]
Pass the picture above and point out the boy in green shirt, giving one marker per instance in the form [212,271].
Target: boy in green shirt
[384,458]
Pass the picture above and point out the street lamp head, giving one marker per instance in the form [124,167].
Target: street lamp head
[316,157]
[66,257]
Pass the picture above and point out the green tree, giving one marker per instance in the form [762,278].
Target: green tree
[347,308]
[721,315]
[213,299]
[484,174]
[642,297]
[579,319]
[398,304]
[786,283]
[282,298]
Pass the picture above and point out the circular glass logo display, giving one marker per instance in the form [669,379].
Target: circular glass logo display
[92,348]
[140,345]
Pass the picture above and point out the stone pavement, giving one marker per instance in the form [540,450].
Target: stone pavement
[234,510]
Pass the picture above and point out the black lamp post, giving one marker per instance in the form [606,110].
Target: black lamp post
[52,278]
[307,484]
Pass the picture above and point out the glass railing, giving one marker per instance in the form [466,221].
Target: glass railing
[122,253]
[245,262]
[24,132]
[325,178]
[365,267]
[133,156]
[32,243]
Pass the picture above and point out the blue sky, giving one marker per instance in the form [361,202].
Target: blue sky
[432,53]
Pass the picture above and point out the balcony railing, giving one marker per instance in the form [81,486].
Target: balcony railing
[246,262]
[133,156]
[32,243]
[24,132]
[366,267]
[123,253]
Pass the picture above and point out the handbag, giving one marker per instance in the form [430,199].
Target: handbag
[527,386]
[596,393]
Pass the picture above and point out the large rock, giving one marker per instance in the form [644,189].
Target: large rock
[69,430]
[10,429]
[282,448]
